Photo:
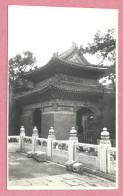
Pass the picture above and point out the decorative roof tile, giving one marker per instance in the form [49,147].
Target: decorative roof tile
[74,55]
[62,87]
[72,58]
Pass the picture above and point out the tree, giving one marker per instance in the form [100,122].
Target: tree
[17,67]
[104,47]
[19,64]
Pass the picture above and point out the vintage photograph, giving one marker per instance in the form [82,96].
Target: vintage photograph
[62,98]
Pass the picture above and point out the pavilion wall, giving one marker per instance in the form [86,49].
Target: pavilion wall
[26,120]
[47,121]
[63,120]
[60,114]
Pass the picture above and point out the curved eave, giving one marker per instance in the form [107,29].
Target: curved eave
[57,88]
[78,91]
[56,65]
[88,67]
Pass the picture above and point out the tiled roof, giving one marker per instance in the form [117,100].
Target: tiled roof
[74,55]
[63,87]
[71,58]
[78,89]
[75,64]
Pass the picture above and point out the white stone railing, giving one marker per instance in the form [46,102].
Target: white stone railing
[27,139]
[13,138]
[41,144]
[59,151]
[100,157]
[87,154]
[60,145]
[111,160]
[87,148]
[41,141]
[90,149]
[26,143]
[14,143]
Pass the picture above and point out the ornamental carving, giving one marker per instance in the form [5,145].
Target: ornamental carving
[113,167]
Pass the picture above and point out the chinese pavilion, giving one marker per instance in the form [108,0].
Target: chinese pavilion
[66,93]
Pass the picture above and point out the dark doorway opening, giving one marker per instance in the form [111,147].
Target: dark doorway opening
[37,117]
[84,115]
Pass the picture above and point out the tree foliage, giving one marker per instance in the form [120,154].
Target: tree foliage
[104,47]
[19,64]
[17,67]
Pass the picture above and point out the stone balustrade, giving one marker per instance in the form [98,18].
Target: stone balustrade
[60,151]
[111,160]
[12,138]
[26,143]
[27,139]
[89,149]
[87,154]
[41,144]
[41,141]
[60,144]
[101,157]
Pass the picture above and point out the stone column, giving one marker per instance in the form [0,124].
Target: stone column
[22,135]
[72,140]
[34,136]
[51,137]
[104,144]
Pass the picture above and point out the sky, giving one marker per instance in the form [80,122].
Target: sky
[45,30]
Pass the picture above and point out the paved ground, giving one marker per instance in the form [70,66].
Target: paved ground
[26,172]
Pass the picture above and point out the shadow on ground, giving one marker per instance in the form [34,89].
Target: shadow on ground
[27,172]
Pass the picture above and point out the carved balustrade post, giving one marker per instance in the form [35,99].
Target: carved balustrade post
[72,140]
[105,142]
[51,137]
[34,136]
[22,135]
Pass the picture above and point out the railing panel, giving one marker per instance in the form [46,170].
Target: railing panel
[27,144]
[87,154]
[41,144]
[12,138]
[60,151]
[13,143]
[60,144]
[111,160]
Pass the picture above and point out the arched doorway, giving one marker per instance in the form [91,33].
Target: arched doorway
[37,117]
[84,115]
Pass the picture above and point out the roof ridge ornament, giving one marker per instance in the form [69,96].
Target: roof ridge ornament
[55,54]
[74,45]
[81,49]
